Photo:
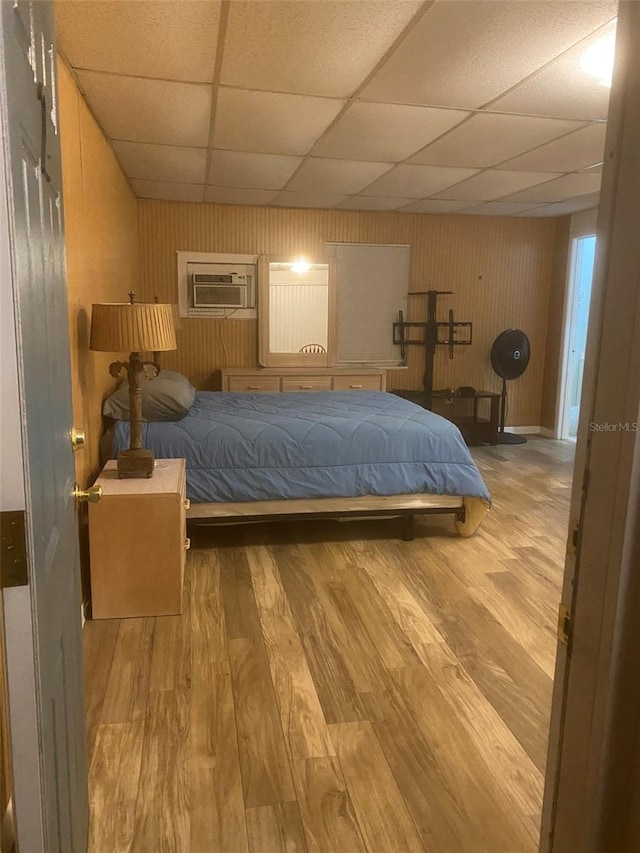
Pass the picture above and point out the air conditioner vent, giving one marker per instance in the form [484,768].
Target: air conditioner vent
[228,278]
[219,296]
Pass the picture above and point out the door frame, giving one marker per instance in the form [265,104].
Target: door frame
[589,777]
[571,297]
[583,224]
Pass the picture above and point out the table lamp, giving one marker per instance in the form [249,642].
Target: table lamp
[133,327]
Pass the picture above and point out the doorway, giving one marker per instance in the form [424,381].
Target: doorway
[577,323]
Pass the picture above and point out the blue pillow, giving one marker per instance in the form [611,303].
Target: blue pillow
[165,397]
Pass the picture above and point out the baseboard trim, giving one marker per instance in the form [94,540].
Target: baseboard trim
[547,433]
[524,430]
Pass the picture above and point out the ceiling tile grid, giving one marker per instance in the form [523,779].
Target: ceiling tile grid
[309,47]
[417,181]
[138,109]
[492,184]
[236,195]
[271,123]
[478,106]
[161,162]
[166,39]
[575,152]
[166,190]
[562,88]
[252,171]
[291,199]
[385,132]
[490,138]
[562,188]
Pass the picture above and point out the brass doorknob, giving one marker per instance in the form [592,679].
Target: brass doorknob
[91,495]
[78,438]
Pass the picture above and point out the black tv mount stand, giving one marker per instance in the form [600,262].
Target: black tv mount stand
[455,334]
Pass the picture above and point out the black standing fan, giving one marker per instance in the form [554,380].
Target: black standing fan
[510,355]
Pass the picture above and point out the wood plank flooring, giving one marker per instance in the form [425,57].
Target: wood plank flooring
[330,687]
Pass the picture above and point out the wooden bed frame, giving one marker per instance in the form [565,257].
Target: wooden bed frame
[468,512]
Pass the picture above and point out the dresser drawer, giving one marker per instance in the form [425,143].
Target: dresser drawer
[357,383]
[254,383]
[306,383]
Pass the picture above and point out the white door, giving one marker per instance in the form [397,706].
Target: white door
[42,619]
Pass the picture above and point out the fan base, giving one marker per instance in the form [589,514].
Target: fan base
[511,438]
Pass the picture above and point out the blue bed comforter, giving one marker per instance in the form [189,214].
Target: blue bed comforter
[251,447]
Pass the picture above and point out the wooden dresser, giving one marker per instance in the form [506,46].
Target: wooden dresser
[297,379]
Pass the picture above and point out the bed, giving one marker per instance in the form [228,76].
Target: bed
[259,457]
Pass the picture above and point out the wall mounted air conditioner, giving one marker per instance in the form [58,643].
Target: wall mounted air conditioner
[220,291]
[216,285]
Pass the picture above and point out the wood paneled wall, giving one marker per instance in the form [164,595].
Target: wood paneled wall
[101,235]
[500,269]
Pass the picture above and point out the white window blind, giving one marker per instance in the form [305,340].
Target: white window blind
[372,287]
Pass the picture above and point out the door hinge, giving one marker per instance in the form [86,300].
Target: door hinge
[564,624]
[13,550]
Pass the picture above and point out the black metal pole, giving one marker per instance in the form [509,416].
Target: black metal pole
[507,437]
[431,339]
[503,406]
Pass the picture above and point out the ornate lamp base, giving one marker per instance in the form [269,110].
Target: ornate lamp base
[135,463]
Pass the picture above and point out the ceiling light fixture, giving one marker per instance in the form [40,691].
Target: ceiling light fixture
[597,60]
[300,265]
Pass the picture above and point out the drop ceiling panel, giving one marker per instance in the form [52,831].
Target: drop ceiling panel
[168,40]
[149,110]
[489,138]
[363,202]
[464,54]
[434,205]
[289,199]
[420,105]
[499,208]
[234,195]
[562,88]
[572,153]
[492,184]
[310,47]
[385,132]
[318,175]
[416,181]
[561,189]
[166,190]
[161,162]
[271,123]
[564,208]
[251,171]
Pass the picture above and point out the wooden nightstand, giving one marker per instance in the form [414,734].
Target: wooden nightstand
[138,544]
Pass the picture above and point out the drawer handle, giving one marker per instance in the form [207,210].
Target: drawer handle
[187,543]
[355,386]
[253,387]
[306,387]
[186,503]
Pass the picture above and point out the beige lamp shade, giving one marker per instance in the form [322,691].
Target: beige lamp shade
[132,327]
